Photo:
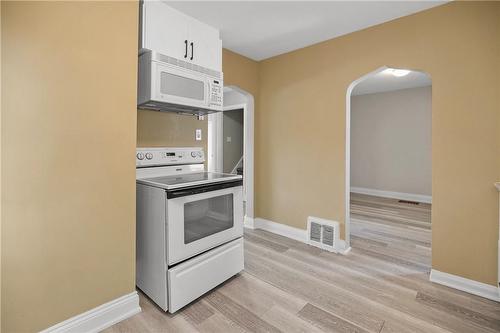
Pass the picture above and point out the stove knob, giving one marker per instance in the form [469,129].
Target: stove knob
[140,156]
[149,156]
[193,154]
[200,154]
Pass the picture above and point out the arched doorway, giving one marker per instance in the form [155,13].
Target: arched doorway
[385,205]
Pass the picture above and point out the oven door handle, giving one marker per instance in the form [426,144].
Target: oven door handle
[183,192]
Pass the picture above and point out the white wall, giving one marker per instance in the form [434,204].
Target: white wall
[232,129]
[391,141]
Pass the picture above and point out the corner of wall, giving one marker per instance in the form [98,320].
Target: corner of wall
[1,4]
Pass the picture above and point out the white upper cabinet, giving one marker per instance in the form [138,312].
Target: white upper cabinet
[206,47]
[165,30]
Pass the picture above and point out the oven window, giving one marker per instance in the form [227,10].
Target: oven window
[206,217]
[176,85]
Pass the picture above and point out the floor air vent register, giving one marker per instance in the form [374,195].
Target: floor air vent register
[323,233]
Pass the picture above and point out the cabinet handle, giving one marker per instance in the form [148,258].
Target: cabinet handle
[192,50]
[186,49]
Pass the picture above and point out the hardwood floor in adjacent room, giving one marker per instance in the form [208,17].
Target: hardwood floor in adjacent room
[400,231]
[380,286]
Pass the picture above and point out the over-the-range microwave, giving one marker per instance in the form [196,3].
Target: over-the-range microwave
[170,84]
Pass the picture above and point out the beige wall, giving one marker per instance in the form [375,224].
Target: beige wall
[61,99]
[241,71]
[391,141]
[167,129]
[301,126]
[0,169]
[68,168]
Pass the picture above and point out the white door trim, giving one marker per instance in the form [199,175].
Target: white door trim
[348,150]
[215,142]
[101,317]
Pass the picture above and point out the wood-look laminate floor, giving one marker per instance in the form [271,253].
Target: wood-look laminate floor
[400,231]
[380,286]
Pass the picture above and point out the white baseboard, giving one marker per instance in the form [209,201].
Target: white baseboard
[101,317]
[290,232]
[463,284]
[393,195]
[346,250]
[248,222]
[343,247]
[281,229]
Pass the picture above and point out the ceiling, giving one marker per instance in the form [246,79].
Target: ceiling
[263,29]
[384,81]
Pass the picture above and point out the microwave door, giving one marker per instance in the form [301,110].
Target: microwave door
[176,86]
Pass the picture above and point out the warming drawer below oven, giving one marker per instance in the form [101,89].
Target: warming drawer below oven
[191,279]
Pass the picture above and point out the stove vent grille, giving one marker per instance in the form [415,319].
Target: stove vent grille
[323,233]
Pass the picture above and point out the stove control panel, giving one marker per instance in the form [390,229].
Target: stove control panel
[157,156]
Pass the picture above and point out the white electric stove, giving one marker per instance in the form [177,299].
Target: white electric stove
[189,226]
[193,178]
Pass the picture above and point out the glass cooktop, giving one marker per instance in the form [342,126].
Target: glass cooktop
[189,179]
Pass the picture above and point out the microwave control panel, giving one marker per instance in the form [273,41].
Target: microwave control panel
[216,93]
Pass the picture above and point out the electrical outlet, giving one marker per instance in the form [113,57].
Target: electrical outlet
[228,139]
[198,134]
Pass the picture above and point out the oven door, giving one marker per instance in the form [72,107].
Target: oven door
[202,218]
[177,85]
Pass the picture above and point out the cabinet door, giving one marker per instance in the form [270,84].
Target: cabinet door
[207,47]
[164,29]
